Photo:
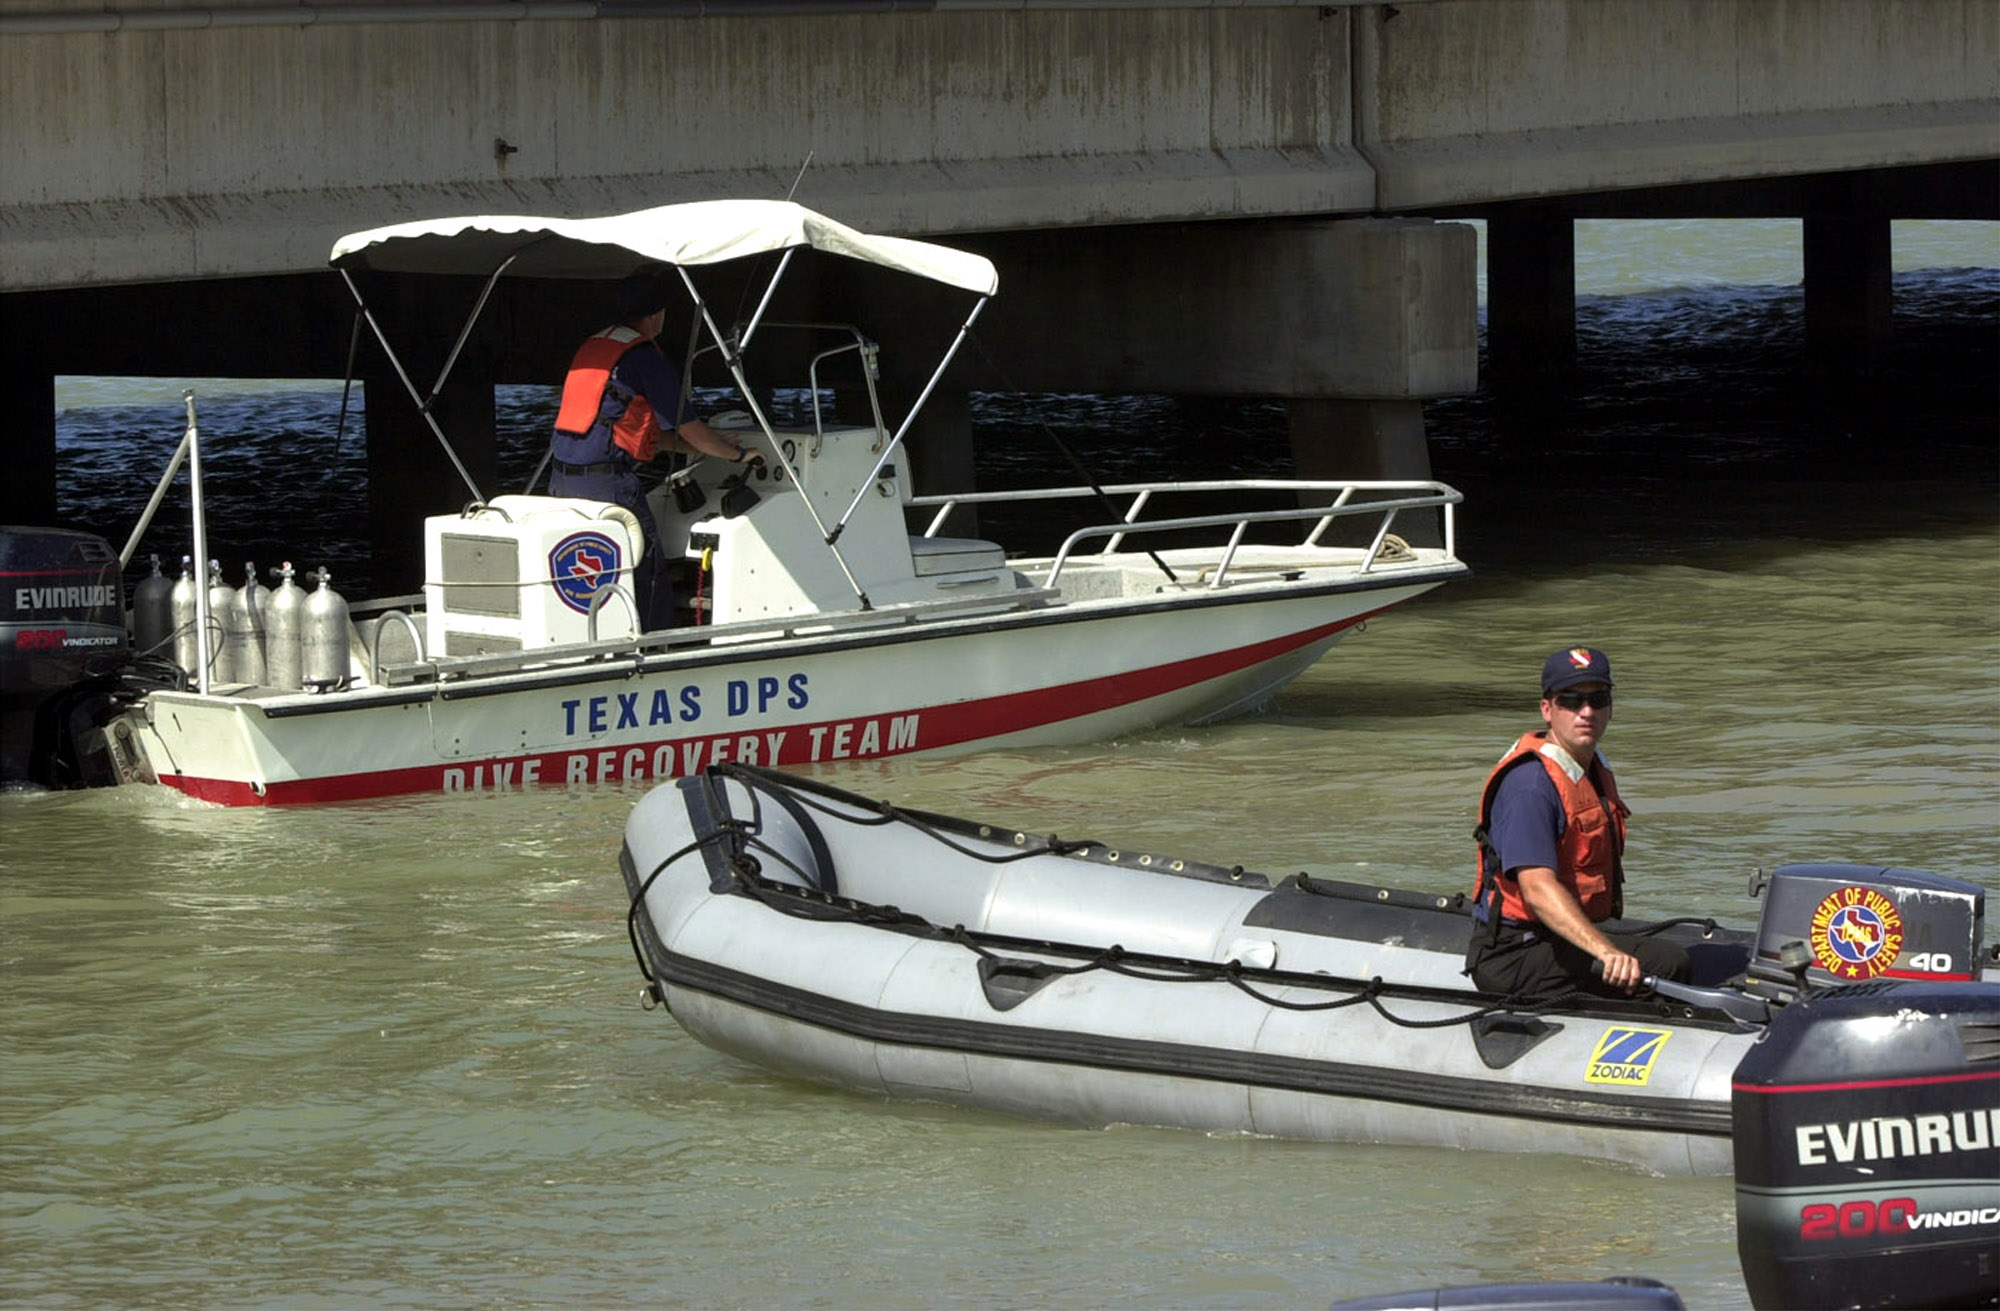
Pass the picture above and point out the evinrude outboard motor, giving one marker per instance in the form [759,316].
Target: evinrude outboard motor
[63,647]
[1867,1140]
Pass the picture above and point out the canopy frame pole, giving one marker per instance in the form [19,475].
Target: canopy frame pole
[902,431]
[465,333]
[733,361]
[423,407]
[199,513]
[159,494]
[770,290]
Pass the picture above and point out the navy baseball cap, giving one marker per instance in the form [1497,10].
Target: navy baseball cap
[641,293]
[1573,665]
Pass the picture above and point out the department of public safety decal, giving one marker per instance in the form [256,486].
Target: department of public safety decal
[1856,933]
[579,564]
[1625,1056]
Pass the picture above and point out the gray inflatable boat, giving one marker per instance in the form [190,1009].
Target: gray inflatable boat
[847,941]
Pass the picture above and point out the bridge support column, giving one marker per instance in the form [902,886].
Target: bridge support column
[28,492]
[1353,322]
[1373,439]
[1847,294]
[1358,439]
[1531,299]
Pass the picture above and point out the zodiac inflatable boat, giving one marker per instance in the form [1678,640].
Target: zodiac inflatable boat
[1843,1057]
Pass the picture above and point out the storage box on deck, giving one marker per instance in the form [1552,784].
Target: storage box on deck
[932,556]
[520,573]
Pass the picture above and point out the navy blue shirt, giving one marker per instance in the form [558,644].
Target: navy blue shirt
[1527,818]
[647,371]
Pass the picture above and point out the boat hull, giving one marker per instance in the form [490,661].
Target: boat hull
[1282,1090]
[1001,1011]
[1068,674]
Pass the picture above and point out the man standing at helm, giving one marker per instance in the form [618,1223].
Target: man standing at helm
[621,403]
[1551,853]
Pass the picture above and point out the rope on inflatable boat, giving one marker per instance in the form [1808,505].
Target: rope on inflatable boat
[818,900]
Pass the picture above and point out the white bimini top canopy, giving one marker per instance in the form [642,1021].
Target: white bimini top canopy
[688,235]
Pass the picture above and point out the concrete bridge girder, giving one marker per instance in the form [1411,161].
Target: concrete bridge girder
[208,141]
[1471,102]
[1369,308]
[1091,146]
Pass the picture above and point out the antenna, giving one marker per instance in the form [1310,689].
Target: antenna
[801,177]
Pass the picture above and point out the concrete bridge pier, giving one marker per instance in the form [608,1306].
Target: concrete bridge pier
[1531,295]
[28,492]
[1353,322]
[1531,299]
[1847,295]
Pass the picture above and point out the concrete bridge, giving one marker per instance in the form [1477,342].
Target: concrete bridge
[1151,178]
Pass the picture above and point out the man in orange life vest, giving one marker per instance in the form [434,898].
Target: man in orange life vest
[1551,853]
[621,405]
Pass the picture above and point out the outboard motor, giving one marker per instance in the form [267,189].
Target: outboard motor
[63,646]
[1867,1141]
[1835,924]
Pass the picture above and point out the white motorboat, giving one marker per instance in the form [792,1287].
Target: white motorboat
[827,629]
[1844,1056]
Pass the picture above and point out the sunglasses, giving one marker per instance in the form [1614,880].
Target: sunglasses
[1578,700]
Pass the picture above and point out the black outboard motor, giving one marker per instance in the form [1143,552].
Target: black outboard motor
[1833,924]
[63,648]
[1867,1139]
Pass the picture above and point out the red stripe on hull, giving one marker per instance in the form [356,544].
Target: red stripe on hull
[1857,1084]
[944,725]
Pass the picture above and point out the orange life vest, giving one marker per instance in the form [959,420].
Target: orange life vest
[1592,842]
[637,430]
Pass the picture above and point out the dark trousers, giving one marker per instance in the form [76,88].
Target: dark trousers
[1538,965]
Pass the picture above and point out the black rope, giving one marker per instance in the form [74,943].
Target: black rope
[786,898]
[810,902]
[874,814]
[645,886]
[1708,926]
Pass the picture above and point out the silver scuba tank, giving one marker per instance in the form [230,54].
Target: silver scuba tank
[182,601]
[284,617]
[153,612]
[323,636]
[221,651]
[246,628]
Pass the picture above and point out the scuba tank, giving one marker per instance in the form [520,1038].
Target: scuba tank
[284,619]
[222,652]
[184,613]
[245,623]
[323,637]
[153,611]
